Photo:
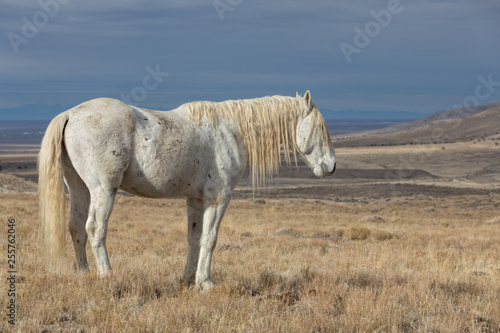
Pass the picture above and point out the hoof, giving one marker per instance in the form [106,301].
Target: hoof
[106,274]
[206,285]
[81,269]
[188,278]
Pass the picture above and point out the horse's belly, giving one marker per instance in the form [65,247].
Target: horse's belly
[166,177]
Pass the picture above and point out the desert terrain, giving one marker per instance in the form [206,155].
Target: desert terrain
[401,238]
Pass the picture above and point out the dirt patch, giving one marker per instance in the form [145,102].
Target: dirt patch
[384,174]
[10,183]
[362,191]
[373,219]
[283,232]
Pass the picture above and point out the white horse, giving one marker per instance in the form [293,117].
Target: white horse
[198,151]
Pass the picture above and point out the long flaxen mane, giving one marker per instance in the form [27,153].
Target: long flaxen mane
[266,125]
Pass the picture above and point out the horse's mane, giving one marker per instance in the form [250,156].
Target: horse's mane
[266,124]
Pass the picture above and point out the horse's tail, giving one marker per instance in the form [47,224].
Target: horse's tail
[52,196]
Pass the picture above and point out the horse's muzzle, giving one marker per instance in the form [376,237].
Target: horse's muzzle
[333,170]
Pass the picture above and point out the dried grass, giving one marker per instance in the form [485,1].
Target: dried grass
[417,272]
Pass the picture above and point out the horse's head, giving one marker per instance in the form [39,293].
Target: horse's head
[313,140]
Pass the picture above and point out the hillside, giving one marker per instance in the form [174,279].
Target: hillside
[430,120]
[482,125]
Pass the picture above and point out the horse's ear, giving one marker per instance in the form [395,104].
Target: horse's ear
[297,94]
[307,99]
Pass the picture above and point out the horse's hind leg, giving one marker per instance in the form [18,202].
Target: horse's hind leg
[101,205]
[79,212]
[80,199]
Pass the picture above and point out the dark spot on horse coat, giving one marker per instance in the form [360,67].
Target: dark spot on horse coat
[78,241]
[169,124]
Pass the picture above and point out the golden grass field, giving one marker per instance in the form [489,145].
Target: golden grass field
[398,263]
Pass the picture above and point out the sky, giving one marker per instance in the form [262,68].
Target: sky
[405,56]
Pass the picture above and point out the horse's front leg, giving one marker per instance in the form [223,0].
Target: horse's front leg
[195,225]
[212,217]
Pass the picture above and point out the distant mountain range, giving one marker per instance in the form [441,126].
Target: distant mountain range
[26,124]
[49,111]
[463,124]
[434,119]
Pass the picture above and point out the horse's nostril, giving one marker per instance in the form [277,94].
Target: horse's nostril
[333,170]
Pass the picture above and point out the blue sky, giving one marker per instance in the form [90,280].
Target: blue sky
[411,56]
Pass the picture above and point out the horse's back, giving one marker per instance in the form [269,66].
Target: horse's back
[166,155]
[99,116]
[147,153]
[151,153]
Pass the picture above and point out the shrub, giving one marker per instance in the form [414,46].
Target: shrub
[359,233]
